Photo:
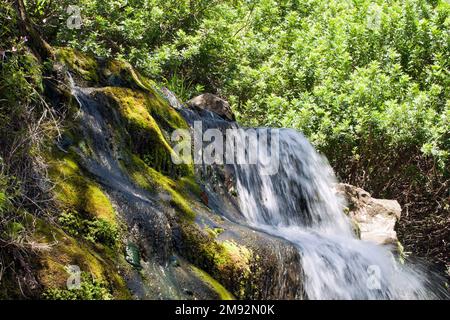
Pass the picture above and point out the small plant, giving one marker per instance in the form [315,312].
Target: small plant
[3,201]
[90,289]
[182,87]
[95,231]
[71,223]
[102,231]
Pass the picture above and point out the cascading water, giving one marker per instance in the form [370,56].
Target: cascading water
[298,203]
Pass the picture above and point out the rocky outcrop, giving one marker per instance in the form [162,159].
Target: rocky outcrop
[375,218]
[172,98]
[212,103]
[150,230]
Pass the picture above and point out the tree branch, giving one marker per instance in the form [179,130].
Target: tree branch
[40,47]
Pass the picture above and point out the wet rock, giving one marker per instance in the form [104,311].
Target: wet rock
[212,103]
[171,98]
[174,262]
[188,292]
[249,263]
[132,255]
[375,218]
[204,198]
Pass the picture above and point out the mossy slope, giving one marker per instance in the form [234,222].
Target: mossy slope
[140,123]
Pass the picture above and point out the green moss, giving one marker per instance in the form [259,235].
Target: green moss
[157,106]
[154,181]
[236,255]
[227,261]
[156,171]
[57,250]
[90,289]
[94,230]
[82,64]
[123,73]
[223,293]
[356,229]
[87,215]
[75,191]
[401,252]
[214,232]
[189,184]
[3,201]
[146,137]
[98,203]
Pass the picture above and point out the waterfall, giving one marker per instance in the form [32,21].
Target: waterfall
[298,203]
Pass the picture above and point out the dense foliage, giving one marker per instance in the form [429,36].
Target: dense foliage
[26,122]
[367,81]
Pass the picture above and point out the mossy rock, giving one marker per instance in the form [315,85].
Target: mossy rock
[84,66]
[73,190]
[227,261]
[58,250]
[154,181]
[146,136]
[119,73]
[220,290]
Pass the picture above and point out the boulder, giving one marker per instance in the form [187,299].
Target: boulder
[211,102]
[375,218]
[172,98]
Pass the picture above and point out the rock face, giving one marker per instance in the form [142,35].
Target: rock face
[375,218]
[172,98]
[212,103]
[113,164]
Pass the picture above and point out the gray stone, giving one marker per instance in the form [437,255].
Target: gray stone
[211,102]
[375,218]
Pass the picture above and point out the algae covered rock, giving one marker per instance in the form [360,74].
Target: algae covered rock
[114,178]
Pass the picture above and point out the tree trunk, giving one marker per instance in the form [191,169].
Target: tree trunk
[40,47]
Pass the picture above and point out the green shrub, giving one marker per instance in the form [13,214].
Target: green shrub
[90,289]
[344,72]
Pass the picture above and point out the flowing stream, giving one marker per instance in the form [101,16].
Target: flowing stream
[298,203]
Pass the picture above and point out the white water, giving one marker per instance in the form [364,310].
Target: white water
[299,205]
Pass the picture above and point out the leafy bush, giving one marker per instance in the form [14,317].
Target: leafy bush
[182,88]
[340,71]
